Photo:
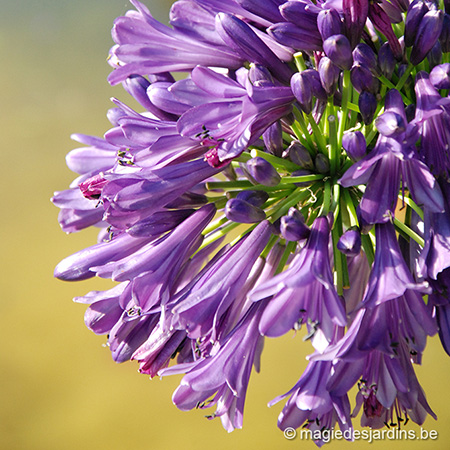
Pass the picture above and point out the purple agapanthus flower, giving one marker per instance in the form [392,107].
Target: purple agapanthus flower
[286,169]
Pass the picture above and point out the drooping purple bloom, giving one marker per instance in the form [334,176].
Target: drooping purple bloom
[225,374]
[433,117]
[311,405]
[390,277]
[393,159]
[297,292]
[200,310]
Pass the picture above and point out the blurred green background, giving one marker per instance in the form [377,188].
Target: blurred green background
[59,387]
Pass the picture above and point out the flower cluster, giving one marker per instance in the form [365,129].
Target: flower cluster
[296,176]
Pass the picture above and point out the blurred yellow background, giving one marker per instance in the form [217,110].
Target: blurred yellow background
[59,387]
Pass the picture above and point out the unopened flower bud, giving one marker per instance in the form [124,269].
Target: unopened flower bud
[416,10]
[255,198]
[362,79]
[299,155]
[338,49]
[440,76]
[329,74]
[329,23]
[350,242]
[386,60]
[390,124]
[243,212]
[354,144]
[305,86]
[444,37]
[365,56]
[428,33]
[262,171]
[322,163]
[259,73]
[302,90]
[273,139]
[293,227]
[367,106]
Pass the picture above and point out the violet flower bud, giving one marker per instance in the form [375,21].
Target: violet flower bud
[255,198]
[350,242]
[302,90]
[329,23]
[322,163]
[299,155]
[338,49]
[416,10]
[258,73]
[293,227]
[305,86]
[355,17]
[243,212]
[367,106]
[273,139]
[444,37]
[365,56]
[428,33]
[402,5]
[440,76]
[362,78]
[329,75]
[435,55]
[386,60]
[390,124]
[355,145]
[262,171]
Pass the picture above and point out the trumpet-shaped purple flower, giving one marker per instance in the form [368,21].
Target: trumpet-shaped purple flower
[225,374]
[311,405]
[201,309]
[434,120]
[305,292]
[393,159]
